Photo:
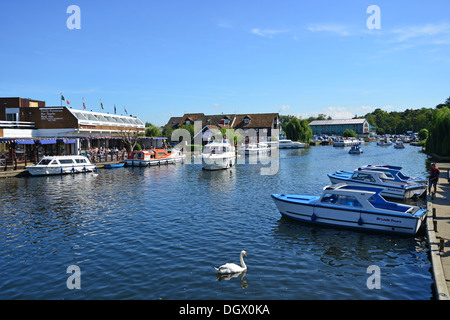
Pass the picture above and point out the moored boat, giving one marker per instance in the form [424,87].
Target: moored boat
[392,188]
[218,155]
[152,157]
[51,165]
[393,172]
[255,148]
[399,144]
[289,144]
[114,165]
[351,206]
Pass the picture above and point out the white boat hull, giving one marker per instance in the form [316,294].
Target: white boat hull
[60,169]
[347,218]
[211,162]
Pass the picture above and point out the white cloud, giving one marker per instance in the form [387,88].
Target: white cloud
[429,30]
[339,113]
[268,33]
[336,29]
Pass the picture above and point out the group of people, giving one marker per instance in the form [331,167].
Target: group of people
[101,154]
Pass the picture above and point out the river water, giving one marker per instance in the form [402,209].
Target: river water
[156,233]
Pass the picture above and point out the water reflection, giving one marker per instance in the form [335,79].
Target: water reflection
[243,282]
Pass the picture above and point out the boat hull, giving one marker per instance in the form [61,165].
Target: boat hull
[218,163]
[390,191]
[306,209]
[60,169]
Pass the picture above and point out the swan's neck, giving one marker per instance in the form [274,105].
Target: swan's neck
[242,261]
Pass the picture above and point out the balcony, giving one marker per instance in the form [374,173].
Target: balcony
[17,125]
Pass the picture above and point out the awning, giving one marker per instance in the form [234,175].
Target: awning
[48,141]
[25,141]
[67,140]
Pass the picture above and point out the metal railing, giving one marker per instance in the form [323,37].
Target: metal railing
[17,124]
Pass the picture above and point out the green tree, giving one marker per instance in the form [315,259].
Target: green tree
[438,141]
[298,130]
[152,131]
[349,133]
[423,134]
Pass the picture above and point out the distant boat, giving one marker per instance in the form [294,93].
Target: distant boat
[289,144]
[61,165]
[218,155]
[399,144]
[384,142]
[355,150]
[350,206]
[346,143]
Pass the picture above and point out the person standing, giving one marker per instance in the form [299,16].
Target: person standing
[433,179]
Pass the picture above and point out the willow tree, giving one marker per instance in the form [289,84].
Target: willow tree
[298,130]
[438,141]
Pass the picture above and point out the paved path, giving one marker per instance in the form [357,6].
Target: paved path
[441,224]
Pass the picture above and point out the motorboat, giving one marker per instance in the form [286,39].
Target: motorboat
[391,187]
[351,206]
[218,155]
[355,150]
[114,165]
[50,165]
[346,143]
[289,144]
[384,142]
[255,148]
[152,157]
[393,172]
[399,144]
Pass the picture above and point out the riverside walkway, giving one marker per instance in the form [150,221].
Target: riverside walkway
[438,230]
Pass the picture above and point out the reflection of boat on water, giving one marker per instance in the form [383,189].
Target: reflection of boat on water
[61,165]
[352,206]
[218,155]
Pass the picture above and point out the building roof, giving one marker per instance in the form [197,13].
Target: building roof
[336,122]
[99,118]
[236,121]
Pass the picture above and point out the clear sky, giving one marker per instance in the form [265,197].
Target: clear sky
[167,58]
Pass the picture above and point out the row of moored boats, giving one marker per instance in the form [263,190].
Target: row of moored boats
[358,200]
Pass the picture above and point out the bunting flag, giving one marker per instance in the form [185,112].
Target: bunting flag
[114,108]
[84,106]
[101,104]
[125,109]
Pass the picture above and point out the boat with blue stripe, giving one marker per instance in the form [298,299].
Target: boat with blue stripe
[352,206]
[392,187]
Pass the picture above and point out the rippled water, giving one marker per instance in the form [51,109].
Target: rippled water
[156,233]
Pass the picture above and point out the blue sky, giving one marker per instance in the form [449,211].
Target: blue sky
[167,58]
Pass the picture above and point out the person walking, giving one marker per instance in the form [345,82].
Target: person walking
[433,179]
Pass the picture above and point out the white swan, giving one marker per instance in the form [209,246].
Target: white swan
[232,267]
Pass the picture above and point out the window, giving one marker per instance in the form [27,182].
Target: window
[363,177]
[341,200]
[45,161]
[246,120]
[80,160]
[66,161]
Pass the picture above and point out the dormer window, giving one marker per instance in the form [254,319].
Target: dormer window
[246,120]
[188,121]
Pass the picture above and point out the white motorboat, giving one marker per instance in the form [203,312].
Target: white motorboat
[152,157]
[392,188]
[399,144]
[384,142]
[289,144]
[61,165]
[355,150]
[393,172]
[359,207]
[346,143]
[218,155]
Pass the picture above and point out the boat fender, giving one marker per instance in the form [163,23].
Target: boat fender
[62,170]
[313,217]
[360,221]
[73,169]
